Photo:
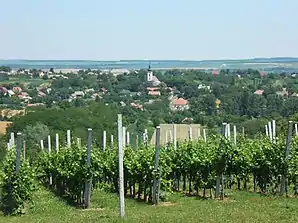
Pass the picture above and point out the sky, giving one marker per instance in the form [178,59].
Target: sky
[155,29]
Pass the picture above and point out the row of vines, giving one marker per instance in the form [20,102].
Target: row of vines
[192,168]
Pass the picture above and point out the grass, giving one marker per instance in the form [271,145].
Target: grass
[239,207]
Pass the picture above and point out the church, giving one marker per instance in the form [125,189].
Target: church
[151,79]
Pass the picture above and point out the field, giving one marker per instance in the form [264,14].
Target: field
[239,207]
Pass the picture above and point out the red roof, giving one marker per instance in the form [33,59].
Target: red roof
[154,93]
[259,92]
[180,101]
[215,72]
[152,88]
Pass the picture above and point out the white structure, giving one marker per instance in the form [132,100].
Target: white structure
[149,74]
[151,79]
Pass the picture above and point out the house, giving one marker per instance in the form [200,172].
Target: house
[283,93]
[3,90]
[41,94]
[154,93]
[215,72]
[35,105]
[136,106]
[179,104]
[10,93]
[17,90]
[259,92]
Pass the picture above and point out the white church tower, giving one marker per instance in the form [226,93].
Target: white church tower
[149,74]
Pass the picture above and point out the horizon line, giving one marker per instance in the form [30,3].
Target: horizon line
[122,60]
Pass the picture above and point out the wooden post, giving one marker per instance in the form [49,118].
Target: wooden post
[235,134]
[296,129]
[156,180]
[18,157]
[124,136]
[284,186]
[68,139]
[104,144]
[128,138]
[57,142]
[120,166]
[204,134]
[243,133]
[88,182]
[41,145]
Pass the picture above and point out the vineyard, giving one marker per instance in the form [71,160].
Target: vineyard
[199,168]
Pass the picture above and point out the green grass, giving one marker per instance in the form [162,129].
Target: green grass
[239,207]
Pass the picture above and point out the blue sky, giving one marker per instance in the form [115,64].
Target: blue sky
[155,29]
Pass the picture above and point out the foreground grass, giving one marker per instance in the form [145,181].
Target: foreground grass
[241,207]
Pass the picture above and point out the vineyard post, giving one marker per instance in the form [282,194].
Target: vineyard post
[57,142]
[41,145]
[218,177]
[146,137]
[156,180]
[104,144]
[137,141]
[243,133]
[175,136]
[190,132]
[204,134]
[68,139]
[18,158]
[235,134]
[24,149]
[112,140]
[296,129]
[273,130]
[120,166]
[12,139]
[270,131]
[79,142]
[128,138]
[8,146]
[49,151]
[284,186]
[123,136]
[228,131]
[266,130]
[89,181]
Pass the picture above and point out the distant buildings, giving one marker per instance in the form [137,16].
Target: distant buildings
[179,104]
[151,79]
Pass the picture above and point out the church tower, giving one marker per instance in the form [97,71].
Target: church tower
[149,74]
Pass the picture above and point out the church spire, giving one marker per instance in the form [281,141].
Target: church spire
[149,68]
